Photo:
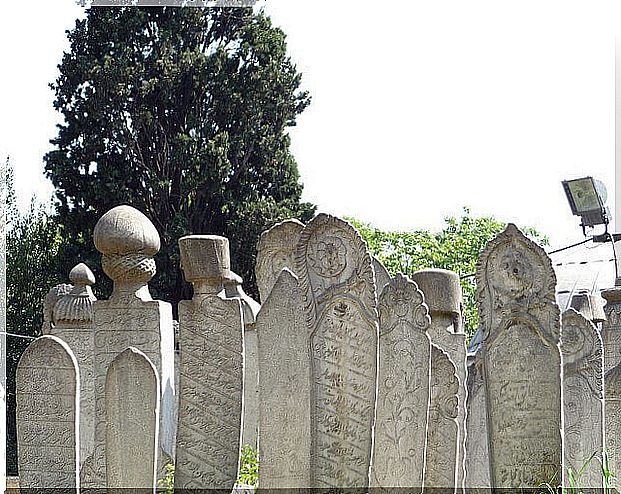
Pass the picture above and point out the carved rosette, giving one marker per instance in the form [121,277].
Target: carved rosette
[514,274]
[275,251]
[403,303]
[582,350]
[76,307]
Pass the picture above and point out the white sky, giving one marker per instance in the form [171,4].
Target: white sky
[419,108]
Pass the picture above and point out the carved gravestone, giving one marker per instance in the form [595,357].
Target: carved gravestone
[403,387]
[284,388]
[443,296]
[611,328]
[521,361]
[72,321]
[443,429]
[275,251]
[337,284]
[382,277]
[132,422]
[211,371]
[477,476]
[49,302]
[48,394]
[130,318]
[612,385]
[583,401]
[250,309]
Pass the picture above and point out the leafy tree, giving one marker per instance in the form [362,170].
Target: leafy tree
[181,113]
[456,247]
[33,240]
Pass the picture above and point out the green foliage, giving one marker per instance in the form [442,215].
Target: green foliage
[456,247]
[33,240]
[249,468]
[167,484]
[181,113]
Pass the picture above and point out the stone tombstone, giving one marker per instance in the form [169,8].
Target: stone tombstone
[520,325]
[130,318]
[72,321]
[590,305]
[132,422]
[49,302]
[443,296]
[611,328]
[250,309]
[443,429]
[284,388]
[47,414]
[211,370]
[275,251]
[339,304]
[612,392]
[583,400]
[382,277]
[477,474]
[403,390]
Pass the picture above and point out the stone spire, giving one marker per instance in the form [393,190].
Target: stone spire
[128,241]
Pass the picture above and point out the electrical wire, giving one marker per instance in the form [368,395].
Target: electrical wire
[19,335]
[570,246]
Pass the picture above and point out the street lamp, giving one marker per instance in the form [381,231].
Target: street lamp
[587,199]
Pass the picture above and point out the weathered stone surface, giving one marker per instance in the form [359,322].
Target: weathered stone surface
[522,362]
[211,375]
[403,394]
[336,280]
[275,251]
[130,318]
[590,305]
[284,388]
[611,328]
[612,384]
[443,296]
[583,401]
[48,394]
[49,302]
[382,277]
[477,449]
[72,321]
[132,421]
[443,429]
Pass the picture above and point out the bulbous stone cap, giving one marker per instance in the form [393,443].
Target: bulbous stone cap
[590,306]
[441,288]
[82,275]
[205,258]
[124,231]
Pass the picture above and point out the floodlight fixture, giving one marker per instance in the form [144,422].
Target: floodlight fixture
[587,199]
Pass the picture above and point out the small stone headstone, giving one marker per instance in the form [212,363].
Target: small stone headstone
[275,251]
[611,328]
[443,429]
[47,413]
[132,422]
[211,370]
[521,361]
[284,388]
[612,391]
[339,304]
[583,400]
[403,387]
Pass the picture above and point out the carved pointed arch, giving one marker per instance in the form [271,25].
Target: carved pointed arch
[402,301]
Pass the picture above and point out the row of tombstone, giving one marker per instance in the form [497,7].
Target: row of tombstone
[344,377]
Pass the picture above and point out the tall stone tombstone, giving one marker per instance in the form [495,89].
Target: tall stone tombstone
[443,429]
[132,422]
[211,373]
[403,389]
[72,321]
[275,251]
[47,413]
[382,277]
[250,309]
[443,295]
[583,400]
[339,304]
[130,318]
[611,328]
[284,388]
[477,476]
[520,325]
[612,391]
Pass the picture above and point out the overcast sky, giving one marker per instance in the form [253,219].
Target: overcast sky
[419,108]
